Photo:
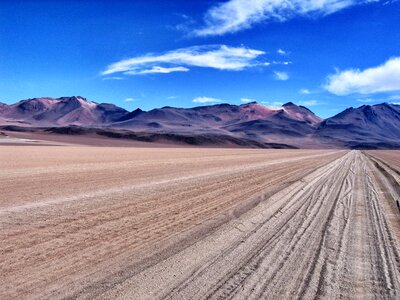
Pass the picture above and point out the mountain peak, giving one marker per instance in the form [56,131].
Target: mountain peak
[289,104]
[74,98]
[386,104]
[354,126]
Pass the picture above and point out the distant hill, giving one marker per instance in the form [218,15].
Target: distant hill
[376,126]
[62,111]
[250,124]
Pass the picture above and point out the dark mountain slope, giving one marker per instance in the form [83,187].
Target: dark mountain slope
[376,126]
[365,126]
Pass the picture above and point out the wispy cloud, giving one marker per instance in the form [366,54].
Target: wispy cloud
[187,23]
[130,100]
[285,63]
[368,100]
[247,100]
[206,100]
[383,78]
[236,15]
[390,2]
[305,91]
[281,76]
[113,78]
[311,103]
[219,57]
[157,69]
[388,99]
[281,52]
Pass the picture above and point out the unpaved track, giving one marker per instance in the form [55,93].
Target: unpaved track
[193,224]
[326,236]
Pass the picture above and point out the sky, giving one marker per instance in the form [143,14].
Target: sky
[324,54]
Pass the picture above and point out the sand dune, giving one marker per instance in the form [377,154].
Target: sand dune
[142,223]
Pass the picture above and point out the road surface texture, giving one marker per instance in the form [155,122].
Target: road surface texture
[107,223]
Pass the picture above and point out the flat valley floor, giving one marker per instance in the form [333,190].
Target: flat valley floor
[83,222]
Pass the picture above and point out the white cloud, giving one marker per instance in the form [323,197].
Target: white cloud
[281,62]
[395,103]
[157,69]
[281,52]
[383,78]
[219,57]
[206,100]
[281,76]
[368,100]
[236,15]
[247,100]
[305,91]
[130,99]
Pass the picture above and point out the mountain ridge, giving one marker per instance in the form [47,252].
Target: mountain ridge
[367,126]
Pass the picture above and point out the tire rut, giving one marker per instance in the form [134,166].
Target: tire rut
[326,236]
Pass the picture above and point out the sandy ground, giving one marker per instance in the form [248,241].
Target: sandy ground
[391,158]
[147,223]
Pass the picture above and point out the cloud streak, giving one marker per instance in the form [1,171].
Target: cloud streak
[281,52]
[247,100]
[206,100]
[383,78]
[281,76]
[157,69]
[311,103]
[237,15]
[305,91]
[368,100]
[113,78]
[220,57]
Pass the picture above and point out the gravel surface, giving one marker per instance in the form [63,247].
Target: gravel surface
[148,223]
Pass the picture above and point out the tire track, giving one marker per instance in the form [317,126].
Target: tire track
[80,240]
[326,236]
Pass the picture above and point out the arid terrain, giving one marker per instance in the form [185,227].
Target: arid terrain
[87,222]
[249,125]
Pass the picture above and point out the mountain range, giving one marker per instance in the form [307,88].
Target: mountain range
[250,124]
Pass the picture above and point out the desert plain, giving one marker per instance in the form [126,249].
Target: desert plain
[86,222]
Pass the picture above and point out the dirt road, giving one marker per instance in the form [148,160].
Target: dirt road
[196,223]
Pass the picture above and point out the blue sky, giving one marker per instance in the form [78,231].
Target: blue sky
[324,54]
